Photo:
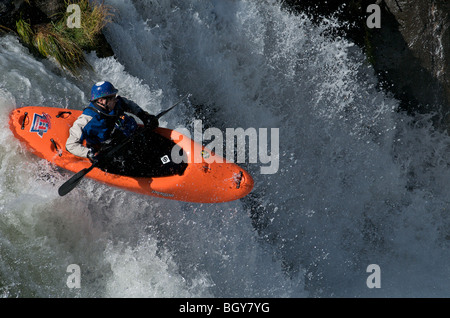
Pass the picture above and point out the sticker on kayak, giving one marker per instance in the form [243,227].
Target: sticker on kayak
[165,159]
[41,124]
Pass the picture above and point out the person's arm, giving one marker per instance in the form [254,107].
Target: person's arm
[74,144]
[131,107]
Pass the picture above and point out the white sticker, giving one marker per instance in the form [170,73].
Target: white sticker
[165,159]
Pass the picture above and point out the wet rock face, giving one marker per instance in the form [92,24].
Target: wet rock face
[7,11]
[5,7]
[37,11]
[51,8]
[425,28]
[411,50]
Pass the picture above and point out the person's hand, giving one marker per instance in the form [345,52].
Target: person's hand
[91,156]
[150,121]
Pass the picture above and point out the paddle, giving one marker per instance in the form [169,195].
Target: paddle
[70,184]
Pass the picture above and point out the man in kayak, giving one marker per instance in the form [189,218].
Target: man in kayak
[104,122]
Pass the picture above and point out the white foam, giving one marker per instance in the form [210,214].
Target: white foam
[358,182]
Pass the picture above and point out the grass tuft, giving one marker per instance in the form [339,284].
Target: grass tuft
[53,44]
[66,44]
[25,31]
[93,19]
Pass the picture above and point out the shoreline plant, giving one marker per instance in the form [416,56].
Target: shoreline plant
[66,45]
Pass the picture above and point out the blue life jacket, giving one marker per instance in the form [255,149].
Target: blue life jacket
[103,124]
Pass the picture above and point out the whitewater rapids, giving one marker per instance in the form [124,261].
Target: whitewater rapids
[359,183]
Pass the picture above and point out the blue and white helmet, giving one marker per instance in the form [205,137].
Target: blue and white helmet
[102,89]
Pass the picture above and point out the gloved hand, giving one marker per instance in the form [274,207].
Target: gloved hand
[150,121]
[91,156]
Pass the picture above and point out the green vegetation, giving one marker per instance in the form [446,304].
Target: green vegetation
[93,20]
[66,44]
[25,31]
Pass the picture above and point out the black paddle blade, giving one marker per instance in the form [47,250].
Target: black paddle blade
[70,184]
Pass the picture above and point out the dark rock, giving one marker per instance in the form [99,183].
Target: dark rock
[411,50]
[425,27]
[8,11]
[402,67]
[103,49]
[15,9]
[52,9]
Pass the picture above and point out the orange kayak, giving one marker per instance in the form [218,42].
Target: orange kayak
[44,131]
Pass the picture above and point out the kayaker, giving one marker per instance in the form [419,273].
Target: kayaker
[105,121]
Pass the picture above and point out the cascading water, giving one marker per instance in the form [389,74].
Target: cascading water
[358,182]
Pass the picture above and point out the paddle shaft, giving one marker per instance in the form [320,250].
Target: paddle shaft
[70,184]
[170,108]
